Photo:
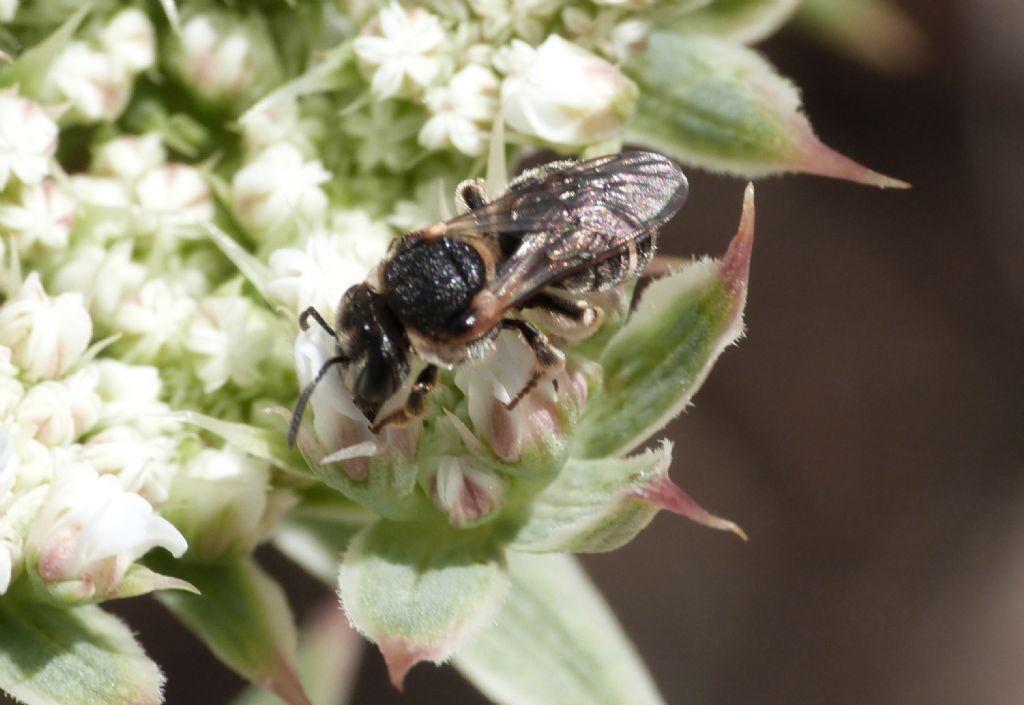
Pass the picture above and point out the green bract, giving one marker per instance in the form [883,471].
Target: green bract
[180,180]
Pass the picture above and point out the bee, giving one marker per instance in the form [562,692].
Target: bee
[443,293]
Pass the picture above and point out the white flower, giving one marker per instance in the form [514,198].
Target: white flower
[466,493]
[218,66]
[273,121]
[100,191]
[8,465]
[43,214]
[28,138]
[279,185]
[175,194]
[158,314]
[229,340]
[96,86]
[103,275]
[462,111]
[46,334]
[128,158]
[328,266]
[129,40]
[563,94]
[91,529]
[404,49]
[131,396]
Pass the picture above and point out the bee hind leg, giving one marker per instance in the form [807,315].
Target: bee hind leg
[548,360]
[571,320]
[415,405]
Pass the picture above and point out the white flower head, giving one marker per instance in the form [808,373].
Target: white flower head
[564,95]
[46,335]
[229,340]
[462,111]
[90,530]
[128,39]
[128,158]
[218,64]
[42,214]
[96,86]
[278,186]
[405,51]
[28,139]
[330,263]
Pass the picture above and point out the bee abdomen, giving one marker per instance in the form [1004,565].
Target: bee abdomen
[612,271]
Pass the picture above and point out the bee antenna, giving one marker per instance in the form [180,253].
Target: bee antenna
[300,408]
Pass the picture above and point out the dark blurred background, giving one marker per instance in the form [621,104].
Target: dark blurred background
[868,433]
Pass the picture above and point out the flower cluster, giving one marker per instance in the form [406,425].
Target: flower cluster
[179,182]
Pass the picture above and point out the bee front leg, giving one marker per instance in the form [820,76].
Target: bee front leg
[548,360]
[415,404]
[315,315]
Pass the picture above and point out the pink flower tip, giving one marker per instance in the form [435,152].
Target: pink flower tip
[665,494]
[400,656]
[818,158]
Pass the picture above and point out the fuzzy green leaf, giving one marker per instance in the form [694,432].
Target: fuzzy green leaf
[713,103]
[243,617]
[72,656]
[600,505]
[420,591]
[258,442]
[745,21]
[30,69]
[657,361]
[555,642]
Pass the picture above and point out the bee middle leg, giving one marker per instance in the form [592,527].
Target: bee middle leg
[570,319]
[548,360]
[415,405]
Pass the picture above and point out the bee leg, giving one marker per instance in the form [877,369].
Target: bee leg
[570,319]
[415,404]
[548,360]
[315,315]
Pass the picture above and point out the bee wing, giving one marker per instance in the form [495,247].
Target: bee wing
[567,216]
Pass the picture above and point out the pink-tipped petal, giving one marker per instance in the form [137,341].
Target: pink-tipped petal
[662,492]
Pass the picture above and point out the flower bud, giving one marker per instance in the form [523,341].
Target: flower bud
[462,111]
[28,138]
[89,531]
[220,499]
[96,86]
[104,276]
[128,158]
[128,39]
[175,194]
[58,413]
[46,334]
[564,95]
[467,494]
[142,464]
